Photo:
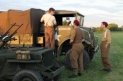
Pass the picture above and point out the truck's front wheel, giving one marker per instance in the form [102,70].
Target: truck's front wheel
[27,75]
[86,60]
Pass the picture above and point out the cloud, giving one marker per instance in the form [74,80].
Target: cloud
[111,10]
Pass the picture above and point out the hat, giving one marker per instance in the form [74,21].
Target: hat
[76,22]
[105,23]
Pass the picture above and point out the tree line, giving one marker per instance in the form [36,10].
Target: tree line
[111,27]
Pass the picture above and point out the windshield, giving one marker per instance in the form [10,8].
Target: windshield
[67,19]
[81,20]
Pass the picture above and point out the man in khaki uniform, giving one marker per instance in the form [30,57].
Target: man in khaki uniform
[49,22]
[104,46]
[76,54]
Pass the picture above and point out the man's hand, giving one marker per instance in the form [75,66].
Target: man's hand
[107,45]
[71,41]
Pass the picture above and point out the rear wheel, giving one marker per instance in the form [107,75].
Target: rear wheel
[86,60]
[27,75]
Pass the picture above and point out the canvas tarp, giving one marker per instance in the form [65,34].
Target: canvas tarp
[3,22]
[20,17]
[29,18]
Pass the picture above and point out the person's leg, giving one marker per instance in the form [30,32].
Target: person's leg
[47,42]
[73,60]
[103,53]
[80,59]
[104,56]
[107,62]
[52,38]
[74,63]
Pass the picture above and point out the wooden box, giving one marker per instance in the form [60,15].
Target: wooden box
[26,39]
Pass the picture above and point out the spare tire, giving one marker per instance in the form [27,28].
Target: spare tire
[86,59]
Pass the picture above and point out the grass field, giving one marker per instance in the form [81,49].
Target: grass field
[93,73]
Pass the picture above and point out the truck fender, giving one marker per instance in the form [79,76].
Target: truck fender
[60,46]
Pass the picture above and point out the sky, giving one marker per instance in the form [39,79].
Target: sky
[95,11]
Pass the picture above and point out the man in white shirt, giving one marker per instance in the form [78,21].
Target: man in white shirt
[49,22]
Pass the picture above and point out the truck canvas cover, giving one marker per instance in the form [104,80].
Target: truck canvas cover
[29,18]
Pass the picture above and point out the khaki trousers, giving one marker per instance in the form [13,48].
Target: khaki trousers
[104,55]
[76,58]
[49,37]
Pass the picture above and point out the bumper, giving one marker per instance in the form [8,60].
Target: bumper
[57,72]
[54,73]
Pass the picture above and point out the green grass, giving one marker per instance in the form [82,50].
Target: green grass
[93,73]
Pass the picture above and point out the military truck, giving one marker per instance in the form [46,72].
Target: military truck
[40,67]
[21,63]
[64,20]
[31,34]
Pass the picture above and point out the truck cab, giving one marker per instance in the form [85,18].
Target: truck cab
[64,26]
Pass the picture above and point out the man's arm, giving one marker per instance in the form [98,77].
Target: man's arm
[72,36]
[42,19]
[83,39]
[54,21]
[108,37]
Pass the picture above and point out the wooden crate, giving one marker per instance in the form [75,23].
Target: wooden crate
[26,39]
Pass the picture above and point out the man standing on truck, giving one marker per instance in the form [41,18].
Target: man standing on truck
[49,22]
[76,54]
[104,46]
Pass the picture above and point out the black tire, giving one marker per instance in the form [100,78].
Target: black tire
[56,78]
[91,53]
[27,75]
[86,60]
[91,56]
[67,60]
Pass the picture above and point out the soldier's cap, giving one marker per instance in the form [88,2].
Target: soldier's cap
[76,22]
[105,23]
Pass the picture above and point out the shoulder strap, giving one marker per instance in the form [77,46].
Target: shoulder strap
[105,34]
[48,20]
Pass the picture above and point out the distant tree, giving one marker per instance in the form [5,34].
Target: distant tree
[113,27]
[94,29]
[98,29]
[119,29]
[122,28]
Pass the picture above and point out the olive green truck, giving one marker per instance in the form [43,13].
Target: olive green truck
[22,54]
